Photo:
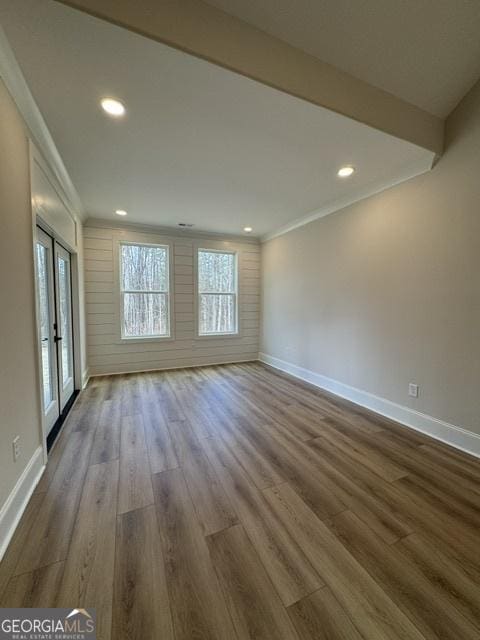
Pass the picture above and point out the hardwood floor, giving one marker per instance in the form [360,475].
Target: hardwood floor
[234,502]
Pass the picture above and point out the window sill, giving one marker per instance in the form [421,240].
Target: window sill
[138,340]
[217,336]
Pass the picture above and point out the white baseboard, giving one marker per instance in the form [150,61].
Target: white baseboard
[450,434]
[85,378]
[15,505]
[181,366]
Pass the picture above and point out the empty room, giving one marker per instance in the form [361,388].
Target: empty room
[240,320]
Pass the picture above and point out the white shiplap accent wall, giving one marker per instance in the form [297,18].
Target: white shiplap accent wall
[107,354]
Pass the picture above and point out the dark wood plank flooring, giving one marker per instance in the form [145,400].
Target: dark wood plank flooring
[234,502]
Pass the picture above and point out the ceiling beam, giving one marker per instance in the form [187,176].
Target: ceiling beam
[209,33]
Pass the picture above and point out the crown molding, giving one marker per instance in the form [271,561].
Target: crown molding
[416,169]
[175,232]
[16,84]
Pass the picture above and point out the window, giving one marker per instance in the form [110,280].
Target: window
[144,291]
[217,292]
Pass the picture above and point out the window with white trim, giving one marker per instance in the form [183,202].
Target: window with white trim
[144,291]
[217,292]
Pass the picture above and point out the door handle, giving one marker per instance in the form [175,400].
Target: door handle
[58,338]
[44,339]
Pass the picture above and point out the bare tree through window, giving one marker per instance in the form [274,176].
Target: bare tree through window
[217,292]
[144,291]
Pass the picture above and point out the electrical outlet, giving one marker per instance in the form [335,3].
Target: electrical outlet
[413,390]
[16,448]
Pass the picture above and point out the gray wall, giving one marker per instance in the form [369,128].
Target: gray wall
[19,396]
[107,354]
[387,291]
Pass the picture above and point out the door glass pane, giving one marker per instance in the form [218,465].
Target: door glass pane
[45,323]
[64,302]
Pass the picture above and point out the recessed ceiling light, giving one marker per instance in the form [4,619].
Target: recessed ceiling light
[113,107]
[121,212]
[247,229]
[345,172]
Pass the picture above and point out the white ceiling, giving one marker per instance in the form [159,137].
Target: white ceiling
[424,51]
[199,144]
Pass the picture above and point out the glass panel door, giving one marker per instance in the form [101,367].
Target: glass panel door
[64,338]
[46,319]
[54,306]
